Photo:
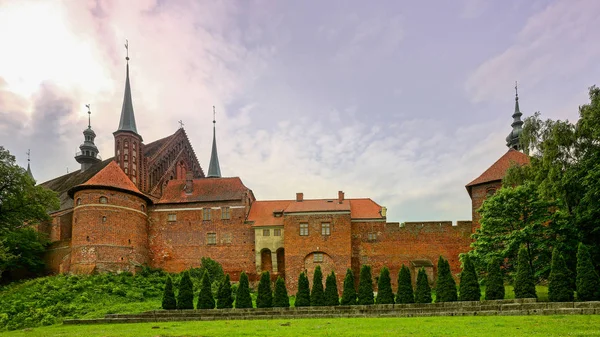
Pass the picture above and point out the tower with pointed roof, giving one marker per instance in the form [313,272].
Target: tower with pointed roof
[214,169]
[513,140]
[28,166]
[128,142]
[88,152]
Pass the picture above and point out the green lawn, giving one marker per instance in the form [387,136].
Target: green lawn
[423,326]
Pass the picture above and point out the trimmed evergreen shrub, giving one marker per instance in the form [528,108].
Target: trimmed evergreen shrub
[317,294]
[587,281]
[469,284]
[405,288]
[365,286]
[445,290]
[384,288]
[205,298]
[303,295]
[281,298]
[224,298]
[494,287]
[559,282]
[242,296]
[264,298]
[349,291]
[168,300]
[331,291]
[524,284]
[185,297]
[423,291]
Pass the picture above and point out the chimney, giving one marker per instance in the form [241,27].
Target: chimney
[299,196]
[340,196]
[189,186]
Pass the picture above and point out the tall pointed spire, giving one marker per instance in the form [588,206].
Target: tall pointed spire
[214,170]
[513,138]
[28,166]
[88,154]
[127,122]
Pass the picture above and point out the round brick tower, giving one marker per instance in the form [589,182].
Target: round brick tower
[110,224]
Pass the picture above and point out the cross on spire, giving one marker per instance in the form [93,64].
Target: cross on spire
[181,124]
[28,155]
[127,50]
[214,115]
[89,116]
[516,89]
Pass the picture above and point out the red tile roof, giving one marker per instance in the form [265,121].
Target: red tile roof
[498,169]
[318,205]
[204,189]
[261,212]
[364,209]
[111,176]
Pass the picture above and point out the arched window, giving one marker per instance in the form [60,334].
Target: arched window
[78,201]
[103,200]
[490,191]
[143,208]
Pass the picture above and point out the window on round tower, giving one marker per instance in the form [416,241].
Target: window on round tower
[78,201]
[103,200]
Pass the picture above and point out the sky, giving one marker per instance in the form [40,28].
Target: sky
[404,102]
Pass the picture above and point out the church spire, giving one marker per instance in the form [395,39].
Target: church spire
[28,166]
[214,170]
[88,154]
[127,122]
[513,138]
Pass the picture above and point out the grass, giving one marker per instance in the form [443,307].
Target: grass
[421,326]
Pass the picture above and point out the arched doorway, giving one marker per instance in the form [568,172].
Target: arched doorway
[281,262]
[266,264]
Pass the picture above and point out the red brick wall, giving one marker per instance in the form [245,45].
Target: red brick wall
[58,257]
[119,243]
[299,249]
[478,196]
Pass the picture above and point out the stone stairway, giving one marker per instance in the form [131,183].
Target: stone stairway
[515,307]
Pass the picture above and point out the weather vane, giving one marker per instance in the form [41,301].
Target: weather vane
[516,89]
[28,155]
[181,124]
[89,116]
[127,49]
[214,115]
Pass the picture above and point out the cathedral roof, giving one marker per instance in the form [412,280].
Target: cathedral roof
[215,189]
[497,171]
[112,177]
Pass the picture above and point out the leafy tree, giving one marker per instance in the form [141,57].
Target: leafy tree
[331,290]
[445,285]
[168,300]
[224,298]
[524,285]
[469,285]
[185,297]
[242,297]
[559,285]
[494,289]
[26,247]
[384,288]
[214,269]
[423,291]
[587,281]
[303,295]
[205,298]
[281,298]
[317,294]
[365,286]
[349,291]
[264,299]
[405,288]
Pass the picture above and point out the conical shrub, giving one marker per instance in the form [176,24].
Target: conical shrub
[524,284]
[264,299]
[405,288]
[185,297]
[205,298]
[385,295]
[349,291]
[242,297]
[445,289]
[423,291]
[303,295]
[494,287]
[331,291]
[317,294]
[587,281]
[469,284]
[559,282]
[365,286]
[224,298]
[281,298]
[168,300]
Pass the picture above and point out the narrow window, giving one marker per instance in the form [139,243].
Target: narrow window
[303,229]
[325,228]
[78,201]
[103,200]
[211,238]
[206,214]
[318,257]
[225,213]
[277,232]
[266,232]
[172,217]
[143,208]
[372,236]
[103,219]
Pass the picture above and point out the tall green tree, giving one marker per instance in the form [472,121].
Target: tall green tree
[445,289]
[559,283]
[303,295]
[365,286]
[317,294]
[349,291]
[405,288]
[185,296]
[494,289]
[385,295]
[242,297]
[205,298]
[524,284]
[281,298]
[331,290]
[264,299]
[469,284]
[168,300]
[587,280]
[423,291]
[224,298]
